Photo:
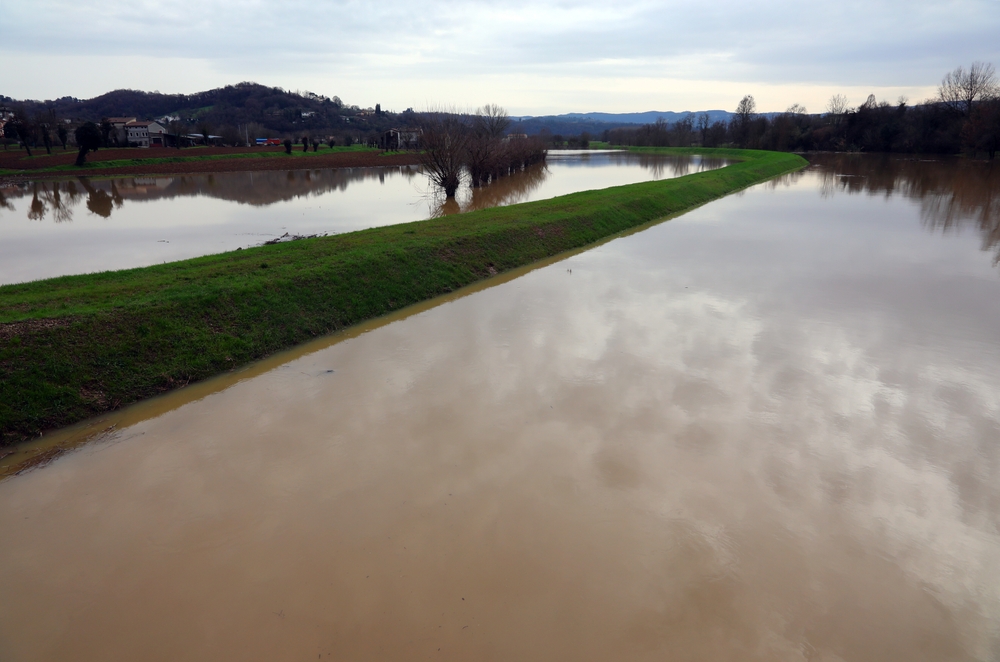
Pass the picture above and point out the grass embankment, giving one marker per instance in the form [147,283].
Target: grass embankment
[77,346]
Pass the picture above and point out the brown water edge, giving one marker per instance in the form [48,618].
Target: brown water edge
[37,453]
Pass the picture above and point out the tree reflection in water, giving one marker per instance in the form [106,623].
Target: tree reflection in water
[61,212]
[98,200]
[508,190]
[251,188]
[271,187]
[953,193]
[36,211]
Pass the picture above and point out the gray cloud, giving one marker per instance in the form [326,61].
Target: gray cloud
[905,44]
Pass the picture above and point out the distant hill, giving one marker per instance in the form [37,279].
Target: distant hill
[277,110]
[281,112]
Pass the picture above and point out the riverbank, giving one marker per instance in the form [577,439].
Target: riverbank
[16,166]
[77,346]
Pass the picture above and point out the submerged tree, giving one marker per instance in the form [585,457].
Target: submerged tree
[478,144]
[444,140]
[88,139]
[486,143]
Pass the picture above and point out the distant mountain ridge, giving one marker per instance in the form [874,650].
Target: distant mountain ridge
[281,111]
[572,124]
[274,108]
[648,117]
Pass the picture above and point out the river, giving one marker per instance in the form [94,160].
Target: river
[768,429]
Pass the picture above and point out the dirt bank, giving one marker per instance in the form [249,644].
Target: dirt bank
[242,160]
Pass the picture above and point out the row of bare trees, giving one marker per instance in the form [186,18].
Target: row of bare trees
[22,129]
[964,116]
[476,144]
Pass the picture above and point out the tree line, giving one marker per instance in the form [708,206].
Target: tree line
[475,145]
[963,117]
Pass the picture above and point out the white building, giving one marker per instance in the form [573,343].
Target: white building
[145,134]
[118,124]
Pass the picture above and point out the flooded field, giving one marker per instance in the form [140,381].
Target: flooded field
[55,228]
[766,430]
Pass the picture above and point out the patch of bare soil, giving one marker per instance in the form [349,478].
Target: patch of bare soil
[27,327]
[277,162]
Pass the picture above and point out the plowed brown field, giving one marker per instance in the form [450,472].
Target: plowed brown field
[276,160]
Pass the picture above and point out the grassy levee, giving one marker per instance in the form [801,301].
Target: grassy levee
[76,346]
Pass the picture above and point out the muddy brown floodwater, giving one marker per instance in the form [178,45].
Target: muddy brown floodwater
[765,430]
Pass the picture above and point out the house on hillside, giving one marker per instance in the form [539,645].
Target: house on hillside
[401,139]
[145,134]
[118,125]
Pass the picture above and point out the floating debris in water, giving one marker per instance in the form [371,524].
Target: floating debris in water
[289,237]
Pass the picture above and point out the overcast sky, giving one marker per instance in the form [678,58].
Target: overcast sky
[534,57]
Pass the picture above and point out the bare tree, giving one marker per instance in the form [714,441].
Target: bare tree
[836,108]
[796,109]
[837,105]
[746,113]
[20,128]
[961,89]
[485,145]
[444,139]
